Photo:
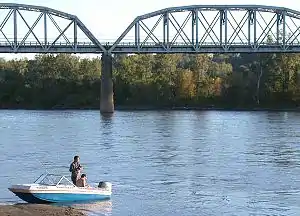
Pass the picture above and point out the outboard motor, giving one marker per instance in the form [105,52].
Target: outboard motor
[105,185]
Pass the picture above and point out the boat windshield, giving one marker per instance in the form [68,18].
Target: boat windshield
[53,180]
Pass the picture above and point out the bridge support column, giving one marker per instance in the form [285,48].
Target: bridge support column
[106,97]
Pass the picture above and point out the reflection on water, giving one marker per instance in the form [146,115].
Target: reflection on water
[162,163]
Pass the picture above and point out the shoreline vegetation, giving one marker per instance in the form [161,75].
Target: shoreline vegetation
[129,108]
[235,82]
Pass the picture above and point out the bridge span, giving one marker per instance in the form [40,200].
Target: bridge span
[185,29]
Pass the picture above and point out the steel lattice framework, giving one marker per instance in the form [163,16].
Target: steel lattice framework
[232,28]
[15,20]
[187,29]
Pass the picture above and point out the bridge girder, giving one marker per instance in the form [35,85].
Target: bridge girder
[253,31]
[231,29]
[46,16]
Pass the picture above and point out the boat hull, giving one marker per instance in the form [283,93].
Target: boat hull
[32,194]
[30,198]
[44,198]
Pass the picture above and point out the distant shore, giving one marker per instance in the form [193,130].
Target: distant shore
[37,210]
[129,108]
[165,108]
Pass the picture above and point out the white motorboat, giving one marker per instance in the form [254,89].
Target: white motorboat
[51,188]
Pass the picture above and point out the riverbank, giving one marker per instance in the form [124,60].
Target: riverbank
[159,108]
[37,210]
[283,109]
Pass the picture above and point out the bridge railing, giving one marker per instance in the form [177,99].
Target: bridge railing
[146,44]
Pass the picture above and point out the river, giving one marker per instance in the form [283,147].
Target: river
[162,162]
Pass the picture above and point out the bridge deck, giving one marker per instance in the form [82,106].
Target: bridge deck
[131,47]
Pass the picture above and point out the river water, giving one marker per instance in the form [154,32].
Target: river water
[162,162]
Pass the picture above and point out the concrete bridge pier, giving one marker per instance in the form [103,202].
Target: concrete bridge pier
[106,96]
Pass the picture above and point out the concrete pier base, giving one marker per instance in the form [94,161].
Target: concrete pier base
[107,94]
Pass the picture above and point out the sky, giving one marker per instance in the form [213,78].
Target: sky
[107,19]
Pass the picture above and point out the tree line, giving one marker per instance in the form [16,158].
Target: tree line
[159,81]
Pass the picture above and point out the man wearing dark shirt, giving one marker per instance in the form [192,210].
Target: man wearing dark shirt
[75,168]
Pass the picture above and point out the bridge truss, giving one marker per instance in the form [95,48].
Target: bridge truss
[34,29]
[213,29]
[187,29]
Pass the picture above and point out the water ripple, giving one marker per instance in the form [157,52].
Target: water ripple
[162,163]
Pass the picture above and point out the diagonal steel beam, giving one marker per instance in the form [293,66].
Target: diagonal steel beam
[123,34]
[60,35]
[147,30]
[30,29]
[4,23]
[264,20]
[60,31]
[6,18]
[294,25]
[210,27]
[152,30]
[238,28]
[178,31]
[89,34]
[291,43]
[298,29]
[267,27]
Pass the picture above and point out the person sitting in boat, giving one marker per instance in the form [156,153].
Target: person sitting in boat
[75,168]
[82,181]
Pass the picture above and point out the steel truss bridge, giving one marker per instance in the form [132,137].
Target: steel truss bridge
[187,29]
